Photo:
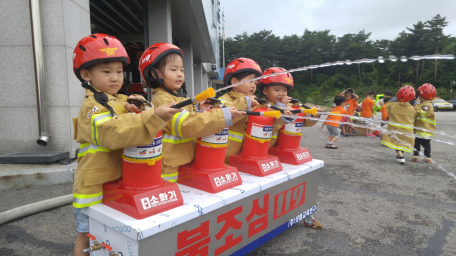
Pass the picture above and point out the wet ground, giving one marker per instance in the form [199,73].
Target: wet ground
[368,205]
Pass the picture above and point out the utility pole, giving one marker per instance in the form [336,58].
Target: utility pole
[451,88]
[416,79]
[223,36]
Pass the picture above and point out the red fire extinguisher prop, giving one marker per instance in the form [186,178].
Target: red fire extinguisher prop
[141,192]
[208,171]
[254,158]
[287,148]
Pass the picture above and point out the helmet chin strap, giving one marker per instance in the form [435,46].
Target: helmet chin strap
[162,85]
[100,97]
[184,92]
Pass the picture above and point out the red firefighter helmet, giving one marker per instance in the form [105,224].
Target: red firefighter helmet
[238,66]
[427,91]
[153,55]
[406,94]
[283,79]
[97,48]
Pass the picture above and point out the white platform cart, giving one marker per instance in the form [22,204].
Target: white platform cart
[232,222]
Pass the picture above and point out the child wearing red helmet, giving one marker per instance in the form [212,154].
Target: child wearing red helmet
[162,68]
[275,90]
[425,118]
[402,116]
[104,126]
[241,97]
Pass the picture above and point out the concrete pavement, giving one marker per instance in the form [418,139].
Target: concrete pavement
[19,176]
[368,204]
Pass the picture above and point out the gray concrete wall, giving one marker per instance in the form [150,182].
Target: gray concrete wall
[188,68]
[205,81]
[160,13]
[198,77]
[64,23]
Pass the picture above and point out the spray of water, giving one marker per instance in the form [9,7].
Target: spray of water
[382,129]
[393,134]
[387,122]
[380,59]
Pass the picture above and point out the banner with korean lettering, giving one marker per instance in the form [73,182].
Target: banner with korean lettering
[240,227]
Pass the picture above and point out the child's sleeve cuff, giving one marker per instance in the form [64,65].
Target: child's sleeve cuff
[227,115]
[249,102]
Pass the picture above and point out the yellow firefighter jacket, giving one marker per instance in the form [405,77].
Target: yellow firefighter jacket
[180,132]
[425,118]
[402,114]
[236,131]
[101,139]
[278,124]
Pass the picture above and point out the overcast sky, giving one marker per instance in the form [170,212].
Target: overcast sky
[384,18]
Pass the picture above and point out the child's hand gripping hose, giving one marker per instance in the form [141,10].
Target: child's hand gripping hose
[202,96]
[214,102]
[265,103]
[140,104]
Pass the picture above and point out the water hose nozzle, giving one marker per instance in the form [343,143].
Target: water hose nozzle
[208,93]
[275,114]
[312,111]
[214,102]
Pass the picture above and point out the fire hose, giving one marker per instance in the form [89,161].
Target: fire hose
[30,209]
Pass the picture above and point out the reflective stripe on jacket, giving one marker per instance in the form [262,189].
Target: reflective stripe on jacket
[182,130]
[171,177]
[425,118]
[278,124]
[236,132]
[101,139]
[399,136]
[235,136]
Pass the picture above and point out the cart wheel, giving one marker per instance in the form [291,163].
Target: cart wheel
[309,221]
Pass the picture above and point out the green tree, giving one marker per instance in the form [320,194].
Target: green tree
[316,97]
[435,34]
[295,95]
[318,47]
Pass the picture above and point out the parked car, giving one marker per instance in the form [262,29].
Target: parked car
[441,104]
[454,103]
